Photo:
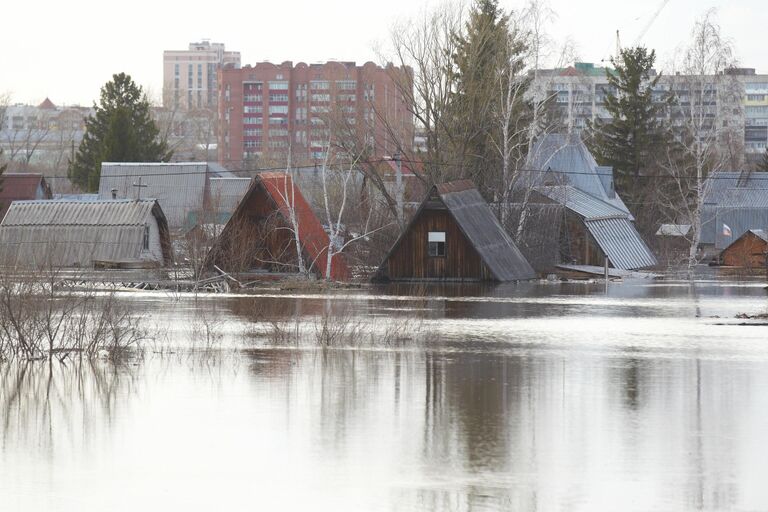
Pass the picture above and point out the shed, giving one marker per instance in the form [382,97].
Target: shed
[181,188]
[38,234]
[595,229]
[454,235]
[750,250]
[22,187]
[260,234]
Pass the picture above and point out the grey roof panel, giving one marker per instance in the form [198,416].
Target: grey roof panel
[55,213]
[580,202]
[178,187]
[226,193]
[484,232]
[621,242]
[739,220]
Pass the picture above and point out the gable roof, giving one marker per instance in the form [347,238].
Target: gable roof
[314,240]
[75,233]
[481,228]
[80,213]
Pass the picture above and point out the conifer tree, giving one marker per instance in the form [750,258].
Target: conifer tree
[120,130]
[483,53]
[629,141]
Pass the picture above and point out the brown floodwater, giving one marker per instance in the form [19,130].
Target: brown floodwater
[547,396]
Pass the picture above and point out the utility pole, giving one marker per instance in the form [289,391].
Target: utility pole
[399,188]
[139,186]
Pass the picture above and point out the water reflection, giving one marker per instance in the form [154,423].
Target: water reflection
[553,401]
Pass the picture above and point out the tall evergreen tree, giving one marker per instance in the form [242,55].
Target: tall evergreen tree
[631,139]
[483,54]
[120,130]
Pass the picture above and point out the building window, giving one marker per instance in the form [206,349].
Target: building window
[146,238]
[278,86]
[278,109]
[436,243]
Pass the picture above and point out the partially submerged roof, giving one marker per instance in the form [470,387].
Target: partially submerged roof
[584,204]
[481,228]
[287,199]
[567,160]
[620,241]
[738,199]
[610,227]
[76,233]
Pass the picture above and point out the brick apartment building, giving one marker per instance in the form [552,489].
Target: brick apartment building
[189,76]
[267,109]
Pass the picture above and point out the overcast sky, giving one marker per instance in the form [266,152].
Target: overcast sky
[67,50]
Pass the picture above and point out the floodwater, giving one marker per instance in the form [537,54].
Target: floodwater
[549,396]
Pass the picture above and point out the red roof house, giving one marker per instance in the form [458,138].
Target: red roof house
[260,234]
[21,187]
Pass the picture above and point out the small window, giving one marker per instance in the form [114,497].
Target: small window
[146,238]
[436,243]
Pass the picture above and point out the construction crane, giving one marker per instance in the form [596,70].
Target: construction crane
[650,22]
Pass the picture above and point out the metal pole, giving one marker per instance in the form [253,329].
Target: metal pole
[606,268]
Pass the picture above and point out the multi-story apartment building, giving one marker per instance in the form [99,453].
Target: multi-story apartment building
[739,99]
[189,76]
[41,137]
[268,108]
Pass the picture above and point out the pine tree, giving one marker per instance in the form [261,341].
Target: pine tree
[120,130]
[483,53]
[629,141]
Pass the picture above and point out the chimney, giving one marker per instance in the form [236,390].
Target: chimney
[114,193]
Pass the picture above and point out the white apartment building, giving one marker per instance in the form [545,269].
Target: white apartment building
[190,76]
[579,91]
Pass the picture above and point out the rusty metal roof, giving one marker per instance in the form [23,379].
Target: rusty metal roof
[285,195]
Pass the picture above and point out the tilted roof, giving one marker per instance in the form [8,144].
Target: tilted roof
[226,193]
[567,160]
[79,213]
[584,204]
[620,241]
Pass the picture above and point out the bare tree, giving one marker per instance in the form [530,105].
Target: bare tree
[702,112]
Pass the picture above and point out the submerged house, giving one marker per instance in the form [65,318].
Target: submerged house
[750,250]
[185,190]
[22,187]
[66,234]
[734,203]
[454,235]
[572,212]
[261,236]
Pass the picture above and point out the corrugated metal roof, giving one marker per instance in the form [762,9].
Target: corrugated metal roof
[70,233]
[79,213]
[621,242]
[737,197]
[226,193]
[572,164]
[314,240]
[584,204]
[178,187]
[739,220]
[760,233]
[484,232]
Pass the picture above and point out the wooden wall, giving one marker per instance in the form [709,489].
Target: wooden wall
[409,260]
[749,251]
